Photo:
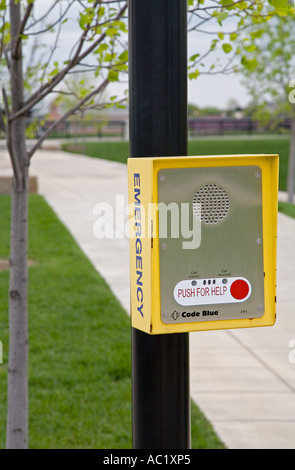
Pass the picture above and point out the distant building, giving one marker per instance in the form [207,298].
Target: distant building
[54,112]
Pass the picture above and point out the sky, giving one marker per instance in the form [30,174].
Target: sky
[207,90]
[211,91]
[217,91]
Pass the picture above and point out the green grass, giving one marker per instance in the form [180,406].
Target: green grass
[244,146]
[79,346]
[287,208]
[115,151]
[119,151]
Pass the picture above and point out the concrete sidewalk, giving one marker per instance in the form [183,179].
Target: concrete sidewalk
[242,380]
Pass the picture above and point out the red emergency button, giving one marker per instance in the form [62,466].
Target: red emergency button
[239,289]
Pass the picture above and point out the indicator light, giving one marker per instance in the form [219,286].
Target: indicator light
[239,289]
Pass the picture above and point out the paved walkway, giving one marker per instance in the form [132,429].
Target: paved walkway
[241,379]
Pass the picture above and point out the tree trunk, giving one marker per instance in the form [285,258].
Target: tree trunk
[17,401]
[291,164]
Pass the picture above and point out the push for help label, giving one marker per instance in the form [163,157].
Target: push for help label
[212,291]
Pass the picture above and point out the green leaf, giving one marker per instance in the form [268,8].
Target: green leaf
[213,44]
[227,4]
[279,4]
[101,48]
[250,64]
[113,76]
[86,18]
[123,57]
[227,48]
[111,32]
[220,16]
[251,48]
[194,74]
[83,20]
[109,57]
[257,34]
[242,5]
[194,57]
[101,11]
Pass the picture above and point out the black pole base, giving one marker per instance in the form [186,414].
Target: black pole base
[160,391]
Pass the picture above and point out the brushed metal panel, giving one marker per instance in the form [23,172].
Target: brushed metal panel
[230,244]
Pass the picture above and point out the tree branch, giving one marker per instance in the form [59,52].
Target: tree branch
[49,27]
[53,49]
[15,163]
[219,7]
[46,89]
[72,111]
[21,29]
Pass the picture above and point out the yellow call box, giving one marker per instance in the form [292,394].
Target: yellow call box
[203,242]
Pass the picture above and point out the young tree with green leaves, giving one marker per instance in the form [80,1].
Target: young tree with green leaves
[224,22]
[258,39]
[30,73]
[269,72]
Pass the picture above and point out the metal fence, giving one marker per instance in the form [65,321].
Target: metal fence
[223,126]
[87,128]
[196,126]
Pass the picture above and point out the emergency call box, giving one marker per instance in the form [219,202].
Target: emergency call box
[203,242]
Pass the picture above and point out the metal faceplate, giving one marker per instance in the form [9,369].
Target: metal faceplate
[217,273]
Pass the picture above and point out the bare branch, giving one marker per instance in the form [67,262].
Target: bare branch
[103,105]
[39,20]
[53,49]
[48,28]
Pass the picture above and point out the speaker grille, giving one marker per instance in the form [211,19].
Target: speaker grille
[211,204]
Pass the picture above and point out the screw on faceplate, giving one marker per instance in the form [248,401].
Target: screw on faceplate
[257,175]
[258,241]
[260,308]
[162,178]
[164,246]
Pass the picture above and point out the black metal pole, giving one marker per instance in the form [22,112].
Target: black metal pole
[158,127]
